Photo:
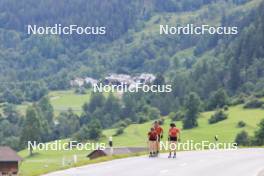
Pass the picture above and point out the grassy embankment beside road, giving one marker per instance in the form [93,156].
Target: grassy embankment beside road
[135,135]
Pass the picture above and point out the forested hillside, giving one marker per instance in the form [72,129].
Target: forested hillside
[217,80]
[207,72]
[31,65]
[30,58]
[132,44]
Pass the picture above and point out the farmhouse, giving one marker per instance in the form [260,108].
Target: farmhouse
[89,80]
[118,79]
[115,151]
[144,78]
[9,162]
[115,79]
[77,82]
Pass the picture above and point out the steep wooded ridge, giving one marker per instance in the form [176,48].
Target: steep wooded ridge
[199,63]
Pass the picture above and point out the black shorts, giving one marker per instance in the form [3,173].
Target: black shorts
[152,139]
[173,138]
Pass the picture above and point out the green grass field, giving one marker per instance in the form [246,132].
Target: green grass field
[45,161]
[62,101]
[226,130]
[135,135]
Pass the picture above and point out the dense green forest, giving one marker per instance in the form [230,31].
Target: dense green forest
[41,63]
[206,71]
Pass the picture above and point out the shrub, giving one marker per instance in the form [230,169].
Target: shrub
[91,131]
[218,116]
[226,108]
[81,135]
[254,103]
[259,94]
[238,100]
[128,121]
[119,131]
[241,124]
[242,139]
[247,88]
[154,113]
[11,141]
[171,115]
[259,134]
[120,123]
[142,119]
[218,99]
[161,121]
[177,116]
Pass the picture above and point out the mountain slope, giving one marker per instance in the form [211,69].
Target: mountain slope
[209,62]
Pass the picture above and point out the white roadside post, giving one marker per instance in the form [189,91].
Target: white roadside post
[75,159]
[63,161]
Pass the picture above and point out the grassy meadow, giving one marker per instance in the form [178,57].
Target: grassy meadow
[135,135]
[62,101]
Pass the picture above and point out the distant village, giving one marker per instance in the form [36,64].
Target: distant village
[114,79]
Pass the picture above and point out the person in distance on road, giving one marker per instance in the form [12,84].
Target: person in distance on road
[159,131]
[174,136]
[152,138]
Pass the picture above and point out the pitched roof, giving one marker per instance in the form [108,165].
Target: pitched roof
[7,154]
[121,150]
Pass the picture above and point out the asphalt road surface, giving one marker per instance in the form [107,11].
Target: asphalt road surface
[242,162]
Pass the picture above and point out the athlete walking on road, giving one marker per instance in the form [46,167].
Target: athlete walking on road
[174,136]
[152,139]
[159,131]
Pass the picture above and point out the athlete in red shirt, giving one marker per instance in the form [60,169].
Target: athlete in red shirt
[159,131]
[174,135]
[152,138]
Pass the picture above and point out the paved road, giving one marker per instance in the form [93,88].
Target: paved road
[242,162]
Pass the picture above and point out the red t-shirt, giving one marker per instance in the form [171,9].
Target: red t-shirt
[152,135]
[173,132]
[159,130]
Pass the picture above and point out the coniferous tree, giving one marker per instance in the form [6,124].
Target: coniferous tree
[259,134]
[31,128]
[192,106]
